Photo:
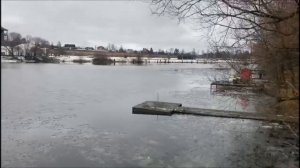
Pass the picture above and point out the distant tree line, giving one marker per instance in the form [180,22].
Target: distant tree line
[25,46]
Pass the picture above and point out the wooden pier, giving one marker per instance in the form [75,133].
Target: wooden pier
[226,85]
[155,108]
[166,108]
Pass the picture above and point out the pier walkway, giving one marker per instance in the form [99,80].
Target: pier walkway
[165,108]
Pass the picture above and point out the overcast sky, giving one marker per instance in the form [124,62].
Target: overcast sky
[90,23]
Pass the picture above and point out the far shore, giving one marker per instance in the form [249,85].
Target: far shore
[89,59]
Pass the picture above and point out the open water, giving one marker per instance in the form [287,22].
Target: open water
[60,115]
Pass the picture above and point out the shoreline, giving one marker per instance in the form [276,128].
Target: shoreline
[131,60]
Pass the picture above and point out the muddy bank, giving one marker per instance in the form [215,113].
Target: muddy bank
[280,148]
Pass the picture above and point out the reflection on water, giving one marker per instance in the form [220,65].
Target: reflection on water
[80,115]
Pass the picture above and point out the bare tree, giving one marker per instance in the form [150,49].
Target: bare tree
[111,47]
[14,39]
[58,44]
[171,50]
[38,44]
[239,19]
[270,27]
[121,49]
[28,40]
[19,50]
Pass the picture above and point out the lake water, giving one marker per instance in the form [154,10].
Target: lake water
[58,115]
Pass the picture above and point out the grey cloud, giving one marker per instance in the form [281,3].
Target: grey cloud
[84,23]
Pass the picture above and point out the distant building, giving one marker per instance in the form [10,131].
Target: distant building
[89,48]
[80,48]
[70,46]
[4,36]
[100,48]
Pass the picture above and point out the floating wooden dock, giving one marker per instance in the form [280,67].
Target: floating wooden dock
[232,84]
[156,108]
[226,85]
[219,83]
[166,108]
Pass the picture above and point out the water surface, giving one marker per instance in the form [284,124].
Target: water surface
[56,115]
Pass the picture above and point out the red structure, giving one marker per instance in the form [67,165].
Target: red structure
[245,74]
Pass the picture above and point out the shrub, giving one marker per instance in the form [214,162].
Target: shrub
[102,60]
[80,61]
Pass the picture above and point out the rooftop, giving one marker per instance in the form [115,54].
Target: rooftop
[3,29]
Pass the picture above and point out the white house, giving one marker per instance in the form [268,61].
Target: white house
[4,51]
